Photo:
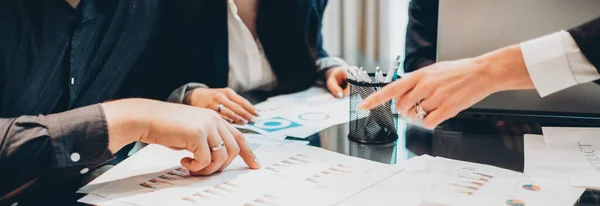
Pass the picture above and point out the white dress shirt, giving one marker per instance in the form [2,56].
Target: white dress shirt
[249,68]
[555,63]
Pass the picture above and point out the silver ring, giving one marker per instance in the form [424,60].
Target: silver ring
[218,147]
[220,107]
[420,113]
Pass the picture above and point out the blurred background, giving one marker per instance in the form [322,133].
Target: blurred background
[366,33]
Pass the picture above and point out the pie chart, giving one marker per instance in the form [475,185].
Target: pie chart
[515,202]
[531,187]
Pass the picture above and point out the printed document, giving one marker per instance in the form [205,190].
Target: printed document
[577,151]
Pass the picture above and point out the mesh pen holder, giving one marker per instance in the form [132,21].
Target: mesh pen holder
[376,126]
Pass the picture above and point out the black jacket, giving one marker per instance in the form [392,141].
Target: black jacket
[193,46]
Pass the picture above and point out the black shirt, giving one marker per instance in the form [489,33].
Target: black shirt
[54,58]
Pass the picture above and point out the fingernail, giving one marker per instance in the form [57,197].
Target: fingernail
[244,121]
[340,95]
[230,120]
[256,113]
[257,162]
[362,106]
[252,120]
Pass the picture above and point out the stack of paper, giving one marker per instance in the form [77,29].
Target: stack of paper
[439,181]
[565,154]
[289,173]
[300,114]
[558,166]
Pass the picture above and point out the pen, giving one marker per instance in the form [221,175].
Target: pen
[397,68]
[393,72]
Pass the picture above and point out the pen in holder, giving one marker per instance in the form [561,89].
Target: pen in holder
[376,126]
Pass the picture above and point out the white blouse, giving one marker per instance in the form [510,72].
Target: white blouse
[249,68]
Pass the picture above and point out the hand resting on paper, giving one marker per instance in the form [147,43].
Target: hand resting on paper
[213,142]
[230,106]
[335,80]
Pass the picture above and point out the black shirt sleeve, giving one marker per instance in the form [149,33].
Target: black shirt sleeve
[421,34]
[69,144]
[587,37]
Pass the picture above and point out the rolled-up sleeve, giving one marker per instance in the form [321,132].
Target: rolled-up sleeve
[69,143]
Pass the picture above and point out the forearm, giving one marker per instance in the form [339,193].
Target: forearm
[506,69]
[73,142]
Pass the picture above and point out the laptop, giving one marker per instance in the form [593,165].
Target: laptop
[468,28]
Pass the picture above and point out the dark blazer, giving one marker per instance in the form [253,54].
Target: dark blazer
[193,44]
[421,36]
[587,37]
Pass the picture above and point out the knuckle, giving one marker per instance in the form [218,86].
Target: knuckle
[234,151]
[221,157]
[205,161]
[199,132]
[229,91]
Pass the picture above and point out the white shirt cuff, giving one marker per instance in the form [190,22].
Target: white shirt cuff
[555,63]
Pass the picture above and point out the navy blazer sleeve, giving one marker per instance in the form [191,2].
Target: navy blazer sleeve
[316,29]
[421,34]
[587,37]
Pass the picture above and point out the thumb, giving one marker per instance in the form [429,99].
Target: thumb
[334,87]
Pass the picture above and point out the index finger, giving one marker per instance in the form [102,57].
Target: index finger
[245,150]
[392,90]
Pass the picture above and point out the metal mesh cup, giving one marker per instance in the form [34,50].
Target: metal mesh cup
[377,126]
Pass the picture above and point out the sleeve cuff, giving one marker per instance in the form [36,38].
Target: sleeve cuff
[79,137]
[328,62]
[178,96]
[547,64]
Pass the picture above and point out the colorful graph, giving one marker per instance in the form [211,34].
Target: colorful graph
[531,187]
[275,124]
[469,182]
[515,202]
[166,179]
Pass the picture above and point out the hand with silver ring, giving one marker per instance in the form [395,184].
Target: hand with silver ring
[420,113]
[231,106]
[213,142]
[450,87]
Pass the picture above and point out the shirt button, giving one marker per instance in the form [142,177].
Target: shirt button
[75,157]
[84,170]
[72,80]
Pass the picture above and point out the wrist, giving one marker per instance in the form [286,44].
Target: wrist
[124,126]
[505,69]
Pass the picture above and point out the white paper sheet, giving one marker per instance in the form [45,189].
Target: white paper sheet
[539,162]
[577,151]
[300,114]
[288,173]
[408,187]
[464,183]
[156,158]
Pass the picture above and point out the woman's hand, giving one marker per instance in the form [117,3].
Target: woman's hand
[336,81]
[231,106]
[446,88]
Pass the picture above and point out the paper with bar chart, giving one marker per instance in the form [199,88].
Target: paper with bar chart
[288,173]
[465,183]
